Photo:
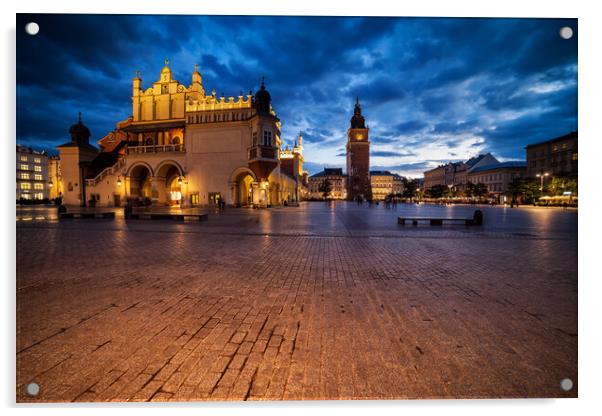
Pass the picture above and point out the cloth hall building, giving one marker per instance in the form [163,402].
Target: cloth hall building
[183,146]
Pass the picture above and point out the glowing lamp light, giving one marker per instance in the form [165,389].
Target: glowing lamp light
[50,184]
[179,181]
[119,182]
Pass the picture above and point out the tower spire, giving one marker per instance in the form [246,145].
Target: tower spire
[166,62]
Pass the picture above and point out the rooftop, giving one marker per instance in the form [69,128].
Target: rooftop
[513,164]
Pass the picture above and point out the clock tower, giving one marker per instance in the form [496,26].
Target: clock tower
[358,157]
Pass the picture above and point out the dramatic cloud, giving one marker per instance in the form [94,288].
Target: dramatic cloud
[432,90]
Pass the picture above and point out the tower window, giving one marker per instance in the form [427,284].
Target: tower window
[267,138]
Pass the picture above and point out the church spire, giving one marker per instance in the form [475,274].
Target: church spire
[357,121]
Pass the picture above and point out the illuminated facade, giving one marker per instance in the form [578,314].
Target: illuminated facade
[38,175]
[184,147]
[335,178]
[358,157]
[385,183]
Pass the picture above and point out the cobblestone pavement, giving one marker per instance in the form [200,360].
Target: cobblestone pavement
[315,302]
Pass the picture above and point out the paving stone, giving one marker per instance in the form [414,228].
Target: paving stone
[314,302]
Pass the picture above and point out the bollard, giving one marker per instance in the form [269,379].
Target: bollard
[478,217]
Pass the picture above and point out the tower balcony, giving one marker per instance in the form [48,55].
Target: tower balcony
[259,152]
[263,160]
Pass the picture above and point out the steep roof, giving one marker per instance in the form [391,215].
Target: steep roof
[328,172]
[514,164]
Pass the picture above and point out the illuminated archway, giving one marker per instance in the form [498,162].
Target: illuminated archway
[170,183]
[140,182]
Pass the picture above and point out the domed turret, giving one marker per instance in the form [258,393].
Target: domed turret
[357,121]
[263,100]
[78,132]
[166,72]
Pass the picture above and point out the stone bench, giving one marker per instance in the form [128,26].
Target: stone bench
[86,215]
[477,219]
[166,216]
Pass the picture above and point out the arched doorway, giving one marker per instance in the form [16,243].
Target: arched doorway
[170,184]
[140,179]
[244,186]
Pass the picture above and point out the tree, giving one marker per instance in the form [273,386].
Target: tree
[409,187]
[437,191]
[325,188]
[515,190]
[562,183]
[480,190]
[469,190]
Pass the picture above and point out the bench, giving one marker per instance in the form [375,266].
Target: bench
[477,219]
[166,216]
[86,215]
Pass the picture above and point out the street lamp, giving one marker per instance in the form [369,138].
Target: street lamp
[119,182]
[541,176]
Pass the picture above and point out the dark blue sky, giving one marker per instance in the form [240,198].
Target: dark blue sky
[432,90]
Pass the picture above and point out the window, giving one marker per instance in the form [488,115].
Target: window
[24,166]
[267,138]
[254,138]
[574,156]
[23,158]
[24,176]
[38,195]
[38,186]
[25,185]
[26,196]
[37,168]
[37,160]
[37,177]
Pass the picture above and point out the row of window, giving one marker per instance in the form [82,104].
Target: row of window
[37,195]
[27,176]
[35,159]
[212,118]
[27,185]
[267,138]
[24,166]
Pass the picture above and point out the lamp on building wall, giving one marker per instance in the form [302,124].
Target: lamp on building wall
[119,181]
[180,181]
[50,184]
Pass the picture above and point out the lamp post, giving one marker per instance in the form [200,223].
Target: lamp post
[541,176]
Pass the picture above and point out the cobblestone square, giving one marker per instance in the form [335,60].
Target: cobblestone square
[321,301]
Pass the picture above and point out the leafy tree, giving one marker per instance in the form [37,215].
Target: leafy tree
[469,189]
[515,190]
[562,183]
[480,189]
[409,187]
[325,188]
[437,191]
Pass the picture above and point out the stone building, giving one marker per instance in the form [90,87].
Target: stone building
[185,147]
[497,176]
[557,156]
[455,174]
[358,157]
[385,183]
[37,176]
[338,188]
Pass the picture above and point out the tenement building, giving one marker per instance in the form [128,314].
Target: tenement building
[358,157]
[184,146]
[498,176]
[336,180]
[37,175]
[557,156]
[455,174]
[385,183]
